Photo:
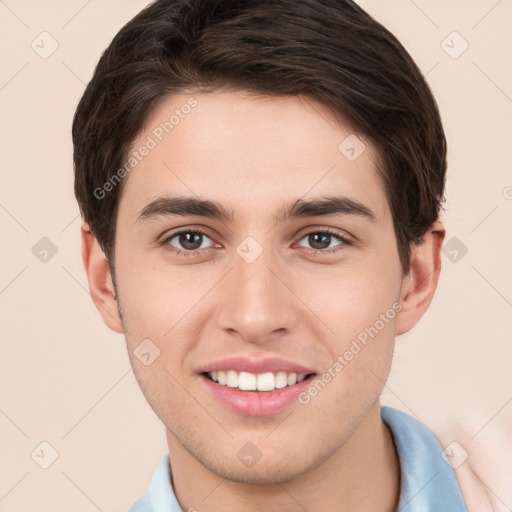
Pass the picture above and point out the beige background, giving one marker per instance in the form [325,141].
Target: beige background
[65,378]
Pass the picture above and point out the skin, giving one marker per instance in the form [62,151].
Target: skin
[253,155]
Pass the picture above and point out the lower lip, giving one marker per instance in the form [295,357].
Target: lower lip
[256,403]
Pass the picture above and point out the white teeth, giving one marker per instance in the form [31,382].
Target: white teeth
[266,382]
[281,380]
[247,381]
[222,378]
[232,379]
[292,379]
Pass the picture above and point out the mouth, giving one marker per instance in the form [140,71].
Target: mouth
[247,381]
[256,387]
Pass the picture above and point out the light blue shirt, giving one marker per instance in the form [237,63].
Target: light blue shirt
[428,482]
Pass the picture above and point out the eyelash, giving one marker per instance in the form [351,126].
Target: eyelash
[325,231]
[180,252]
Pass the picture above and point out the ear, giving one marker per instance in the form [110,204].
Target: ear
[101,286]
[419,285]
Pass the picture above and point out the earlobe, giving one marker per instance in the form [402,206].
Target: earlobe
[101,286]
[420,284]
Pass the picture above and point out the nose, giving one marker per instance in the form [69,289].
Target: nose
[256,302]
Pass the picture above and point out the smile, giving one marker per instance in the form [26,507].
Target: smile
[246,381]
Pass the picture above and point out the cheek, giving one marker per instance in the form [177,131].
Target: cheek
[155,296]
[349,300]
[168,306]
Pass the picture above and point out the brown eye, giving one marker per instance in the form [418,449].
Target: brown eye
[321,240]
[188,240]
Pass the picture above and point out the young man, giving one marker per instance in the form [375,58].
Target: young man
[260,183]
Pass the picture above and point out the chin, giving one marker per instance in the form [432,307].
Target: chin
[268,470]
[261,474]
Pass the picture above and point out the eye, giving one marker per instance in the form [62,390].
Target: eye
[321,240]
[191,242]
[188,241]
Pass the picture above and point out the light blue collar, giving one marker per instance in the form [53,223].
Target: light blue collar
[428,483]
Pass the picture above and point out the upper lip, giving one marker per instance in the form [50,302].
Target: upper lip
[261,365]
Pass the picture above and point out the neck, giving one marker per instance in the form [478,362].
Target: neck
[363,475]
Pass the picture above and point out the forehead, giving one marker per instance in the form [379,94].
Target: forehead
[251,152]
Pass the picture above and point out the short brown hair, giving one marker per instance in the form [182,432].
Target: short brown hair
[329,50]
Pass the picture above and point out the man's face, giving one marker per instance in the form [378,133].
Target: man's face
[257,291]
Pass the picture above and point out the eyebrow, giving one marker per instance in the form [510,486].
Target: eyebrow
[195,206]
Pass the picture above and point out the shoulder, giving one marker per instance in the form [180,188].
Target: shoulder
[428,481]
[160,495]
